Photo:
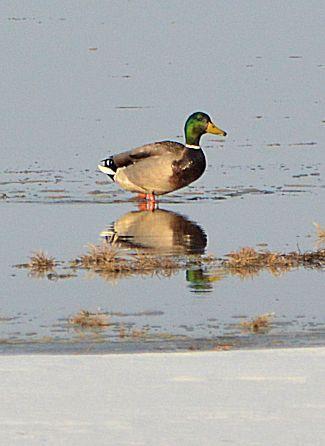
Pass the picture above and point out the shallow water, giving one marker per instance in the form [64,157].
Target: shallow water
[196,307]
[93,84]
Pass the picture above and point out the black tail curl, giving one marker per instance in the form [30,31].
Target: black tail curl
[109,162]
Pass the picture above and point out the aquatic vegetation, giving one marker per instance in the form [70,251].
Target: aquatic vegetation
[103,256]
[109,263]
[85,319]
[106,261]
[260,323]
[320,231]
[249,262]
[40,261]
[39,265]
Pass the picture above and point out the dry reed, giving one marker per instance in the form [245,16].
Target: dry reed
[40,261]
[249,262]
[260,323]
[320,231]
[111,264]
[85,319]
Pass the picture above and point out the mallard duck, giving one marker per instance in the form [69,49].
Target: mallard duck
[165,166]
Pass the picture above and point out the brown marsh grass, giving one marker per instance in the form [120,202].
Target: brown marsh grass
[258,324]
[102,256]
[320,231]
[39,265]
[112,264]
[40,261]
[248,262]
[85,319]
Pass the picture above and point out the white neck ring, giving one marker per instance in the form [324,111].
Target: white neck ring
[190,146]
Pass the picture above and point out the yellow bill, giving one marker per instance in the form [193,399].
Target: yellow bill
[212,128]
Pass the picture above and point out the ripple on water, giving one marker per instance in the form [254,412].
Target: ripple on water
[72,186]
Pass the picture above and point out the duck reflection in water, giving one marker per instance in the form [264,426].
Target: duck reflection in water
[158,232]
[162,232]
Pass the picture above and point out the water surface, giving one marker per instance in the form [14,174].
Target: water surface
[80,84]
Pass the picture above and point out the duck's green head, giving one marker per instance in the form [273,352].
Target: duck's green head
[197,125]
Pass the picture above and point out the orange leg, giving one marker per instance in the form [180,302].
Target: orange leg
[148,197]
[151,197]
[147,206]
[148,202]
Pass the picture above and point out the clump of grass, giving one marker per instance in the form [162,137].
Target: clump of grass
[258,324]
[85,319]
[244,257]
[314,259]
[110,264]
[320,231]
[40,261]
[104,260]
[102,256]
[39,264]
[248,262]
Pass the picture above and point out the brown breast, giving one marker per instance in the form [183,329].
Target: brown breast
[188,168]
